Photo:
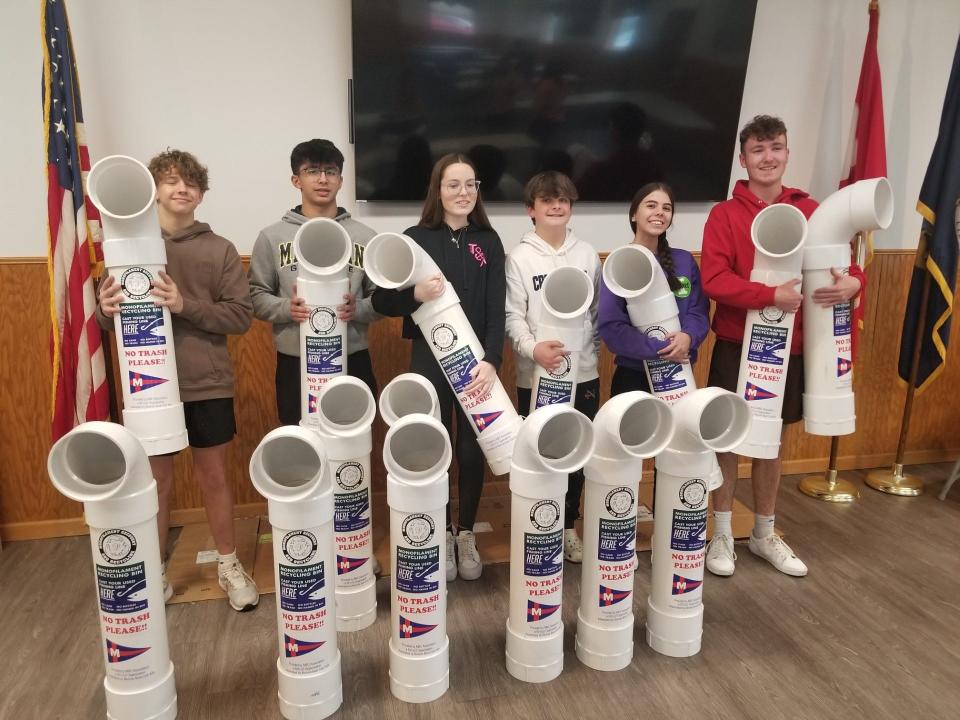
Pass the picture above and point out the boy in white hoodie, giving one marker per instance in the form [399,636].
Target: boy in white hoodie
[549,198]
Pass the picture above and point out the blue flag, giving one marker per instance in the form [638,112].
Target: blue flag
[939,204]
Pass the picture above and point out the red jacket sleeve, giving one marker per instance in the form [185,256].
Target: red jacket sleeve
[718,268]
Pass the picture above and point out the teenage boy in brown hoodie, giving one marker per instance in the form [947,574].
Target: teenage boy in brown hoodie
[207,294]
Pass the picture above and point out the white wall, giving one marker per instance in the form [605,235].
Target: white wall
[240,82]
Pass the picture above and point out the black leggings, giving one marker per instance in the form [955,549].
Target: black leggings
[470,460]
[587,402]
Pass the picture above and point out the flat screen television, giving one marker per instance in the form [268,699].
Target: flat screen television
[614,93]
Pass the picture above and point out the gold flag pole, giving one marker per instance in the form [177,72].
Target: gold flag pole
[830,487]
[895,481]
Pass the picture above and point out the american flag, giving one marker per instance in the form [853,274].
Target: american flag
[80,390]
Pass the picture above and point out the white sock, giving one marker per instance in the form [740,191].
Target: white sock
[762,525]
[723,523]
[227,559]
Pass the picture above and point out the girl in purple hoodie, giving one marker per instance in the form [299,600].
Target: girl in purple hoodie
[651,213]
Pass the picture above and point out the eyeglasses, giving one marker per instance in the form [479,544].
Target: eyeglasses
[332,173]
[455,187]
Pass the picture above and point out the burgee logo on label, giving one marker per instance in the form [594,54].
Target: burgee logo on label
[485,420]
[292,647]
[755,392]
[141,381]
[117,653]
[843,366]
[611,596]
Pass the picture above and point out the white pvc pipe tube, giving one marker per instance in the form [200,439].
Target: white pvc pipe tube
[708,421]
[346,410]
[633,273]
[828,403]
[104,466]
[566,296]
[628,428]
[406,394]
[416,452]
[778,233]
[395,261]
[553,441]
[289,469]
[123,191]
[323,248]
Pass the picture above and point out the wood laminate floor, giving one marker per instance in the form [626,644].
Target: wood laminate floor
[872,632]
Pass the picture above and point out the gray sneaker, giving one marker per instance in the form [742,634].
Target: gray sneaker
[239,586]
[469,565]
[775,551]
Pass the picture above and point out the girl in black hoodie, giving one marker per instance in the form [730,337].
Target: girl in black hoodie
[455,232]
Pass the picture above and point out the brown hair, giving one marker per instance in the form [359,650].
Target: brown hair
[762,127]
[664,255]
[549,184]
[184,164]
[432,214]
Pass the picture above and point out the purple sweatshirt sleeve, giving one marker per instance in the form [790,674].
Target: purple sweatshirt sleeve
[695,319]
[619,334]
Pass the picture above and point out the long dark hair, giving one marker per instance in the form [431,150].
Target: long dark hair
[664,256]
[432,214]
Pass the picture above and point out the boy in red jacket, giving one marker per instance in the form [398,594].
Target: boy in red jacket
[725,267]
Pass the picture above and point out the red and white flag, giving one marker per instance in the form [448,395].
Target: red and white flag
[80,390]
[867,150]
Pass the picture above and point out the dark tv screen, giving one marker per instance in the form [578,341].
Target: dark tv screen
[614,93]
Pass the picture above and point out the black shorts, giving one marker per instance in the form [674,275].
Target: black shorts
[627,379]
[209,422]
[359,365]
[587,400]
[725,371]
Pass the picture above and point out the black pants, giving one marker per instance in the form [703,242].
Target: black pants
[587,402]
[288,380]
[470,460]
[627,380]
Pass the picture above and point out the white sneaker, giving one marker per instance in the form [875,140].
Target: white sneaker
[240,588]
[469,565]
[720,555]
[572,546]
[376,565]
[451,557]
[774,550]
[167,587]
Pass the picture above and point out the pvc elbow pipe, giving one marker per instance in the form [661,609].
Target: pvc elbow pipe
[395,261]
[346,410]
[634,273]
[417,454]
[288,468]
[407,394]
[123,191]
[323,250]
[708,421]
[628,428]
[778,233]
[566,296]
[104,466]
[828,401]
[553,441]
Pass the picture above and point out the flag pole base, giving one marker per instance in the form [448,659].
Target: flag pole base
[829,488]
[895,482]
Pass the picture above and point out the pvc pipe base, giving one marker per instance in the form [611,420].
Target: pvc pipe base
[604,648]
[160,430]
[353,622]
[524,656]
[825,415]
[672,634]
[763,441]
[156,703]
[309,697]
[408,673]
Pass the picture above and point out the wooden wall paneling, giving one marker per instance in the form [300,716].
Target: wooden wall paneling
[30,507]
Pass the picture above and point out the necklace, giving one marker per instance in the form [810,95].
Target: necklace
[455,239]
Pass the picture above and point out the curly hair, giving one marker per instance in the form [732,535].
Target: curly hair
[184,164]
[762,127]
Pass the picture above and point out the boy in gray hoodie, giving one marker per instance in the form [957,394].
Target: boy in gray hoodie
[317,167]
[549,198]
